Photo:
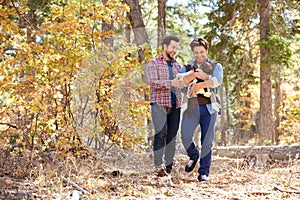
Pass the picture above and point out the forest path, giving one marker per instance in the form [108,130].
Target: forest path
[227,180]
[127,175]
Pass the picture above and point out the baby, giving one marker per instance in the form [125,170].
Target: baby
[208,69]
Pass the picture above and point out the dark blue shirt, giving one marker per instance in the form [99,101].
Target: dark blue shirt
[173,96]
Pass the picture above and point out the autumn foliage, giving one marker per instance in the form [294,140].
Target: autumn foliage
[60,83]
[68,83]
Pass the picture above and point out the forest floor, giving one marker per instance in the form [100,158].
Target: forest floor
[127,175]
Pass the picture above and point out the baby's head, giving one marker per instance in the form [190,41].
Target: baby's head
[206,67]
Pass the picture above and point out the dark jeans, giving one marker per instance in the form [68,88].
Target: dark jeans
[166,124]
[199,115]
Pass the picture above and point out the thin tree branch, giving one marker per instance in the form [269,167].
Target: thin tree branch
[10,125]
[75,185]
[21,17]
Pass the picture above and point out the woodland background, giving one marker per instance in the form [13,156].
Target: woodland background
[72,82]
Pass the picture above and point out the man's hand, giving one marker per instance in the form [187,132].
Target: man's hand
[196,87]
[191,93]
[178,83]
[183,75]
[201,75]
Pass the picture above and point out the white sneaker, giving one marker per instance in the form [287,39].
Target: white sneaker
[203,178]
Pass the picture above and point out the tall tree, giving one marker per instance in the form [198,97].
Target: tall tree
[107,28]
[161,29]
[277,94]
[266,117]
[137,25]
[140,37]
[284,15]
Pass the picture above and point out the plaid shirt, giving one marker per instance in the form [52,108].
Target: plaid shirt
[160,83]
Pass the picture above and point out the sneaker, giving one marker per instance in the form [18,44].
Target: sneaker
[203,178]
[169,169]
[190,165]
[161,171]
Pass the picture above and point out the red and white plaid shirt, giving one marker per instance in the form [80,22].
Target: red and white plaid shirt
[160,83]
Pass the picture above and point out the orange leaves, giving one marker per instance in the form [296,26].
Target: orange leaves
[55,58]
[40,76]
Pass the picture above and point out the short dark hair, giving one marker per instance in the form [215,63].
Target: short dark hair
[167,40]
[199,42]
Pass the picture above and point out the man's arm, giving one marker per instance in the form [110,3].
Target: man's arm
[153,78]
[212,82]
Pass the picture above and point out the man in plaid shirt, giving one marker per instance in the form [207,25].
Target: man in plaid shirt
[165,101]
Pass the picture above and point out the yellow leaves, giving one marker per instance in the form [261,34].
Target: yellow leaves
[147,190]
[82,17]
[56,11]
[40,75]
[22,110]
[55,57]
[100,128]
[133,192]
[3,11]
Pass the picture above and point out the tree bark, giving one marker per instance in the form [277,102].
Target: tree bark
[276,108]
[223,127]
[266,118]
[278,152]
[161,31]
[140,37]
[106,28]
[138,27]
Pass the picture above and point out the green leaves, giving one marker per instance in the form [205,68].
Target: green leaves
[280,50]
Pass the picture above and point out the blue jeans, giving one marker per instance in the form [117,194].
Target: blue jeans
[191,118]
[166,124]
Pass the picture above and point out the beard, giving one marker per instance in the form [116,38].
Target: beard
[168,53]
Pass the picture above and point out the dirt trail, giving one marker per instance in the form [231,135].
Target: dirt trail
[227,181]
[127,175]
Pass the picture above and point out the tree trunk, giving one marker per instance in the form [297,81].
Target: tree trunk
[161,31]
[106,28]
[140,37]
[277,152]
[276,108]
[228,116]
[266,119]
[222,127]
[138,27]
